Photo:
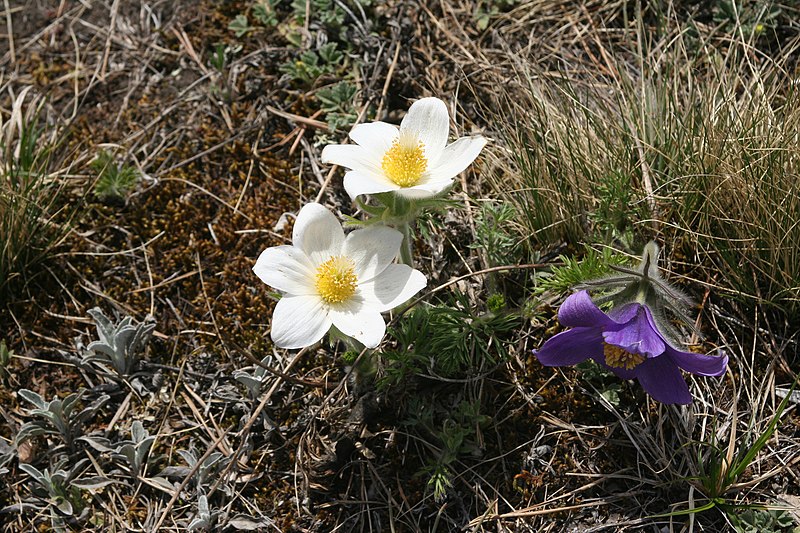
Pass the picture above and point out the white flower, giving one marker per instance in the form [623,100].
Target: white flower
[414,160]
[329,279]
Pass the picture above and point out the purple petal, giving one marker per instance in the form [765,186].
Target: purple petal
[638,335]
[578,310]
[663,381]
[624,314]
[700,364]
[571,347]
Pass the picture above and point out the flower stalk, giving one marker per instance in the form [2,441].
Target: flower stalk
[406,249]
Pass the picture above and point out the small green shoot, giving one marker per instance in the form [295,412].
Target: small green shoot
[338,104]
[240,26]
[751,18]
[265,14]
[496,302]
[327,13]
[114,181]
[723,468]
[606,384]
[314,63]
[486,10]
[592,265]
[455,431]
[5,360]
[764,521]
[451,340]
[494,235]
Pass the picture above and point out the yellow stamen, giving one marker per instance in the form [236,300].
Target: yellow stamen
[616,357]
[336,279]
[404,162]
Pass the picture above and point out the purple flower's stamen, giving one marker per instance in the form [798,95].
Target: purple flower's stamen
[616,357]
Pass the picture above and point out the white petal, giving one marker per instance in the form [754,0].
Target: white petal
[352,156]
[426,189]
[372,249]
[299,321]
[429,120]
[357,183]
[361,322]
[287,269]
[457,157]
[318,233]
[375,137]
[392,287]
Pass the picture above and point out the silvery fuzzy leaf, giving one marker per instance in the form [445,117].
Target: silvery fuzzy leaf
[202,506]
[123,337]
[32,397]
[102,347]
[126,452]
[105,328]
[138,433]
[69,403]
[143,333]
[34,472]
[253,384]
[100,444]
[28,431]
[188,456]
[63,505]
[248,523]
[163,483]
[175,472]
[93,408]
[143,449]
[198,523]
[92,483]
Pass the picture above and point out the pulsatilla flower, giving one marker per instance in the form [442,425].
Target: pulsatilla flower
[332,280]
[414,160]
[628,342]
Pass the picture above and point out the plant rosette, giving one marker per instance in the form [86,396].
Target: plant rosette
[329,279]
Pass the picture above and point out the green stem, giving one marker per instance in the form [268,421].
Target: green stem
[641,294]
[406,249]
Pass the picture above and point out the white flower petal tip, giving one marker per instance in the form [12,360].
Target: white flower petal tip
[357,183]
[299,321]
[318,233]
[328,279]
[414,161]
[458,156]
[395,286]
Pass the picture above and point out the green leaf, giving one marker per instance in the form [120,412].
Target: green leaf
[240,26]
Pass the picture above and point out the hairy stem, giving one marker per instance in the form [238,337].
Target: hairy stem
[406,249]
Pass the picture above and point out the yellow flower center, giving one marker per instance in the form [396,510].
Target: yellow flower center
[404,162]
[616,357]
[336,279]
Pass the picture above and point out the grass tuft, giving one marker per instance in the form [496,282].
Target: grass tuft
[682,137]
[33,214]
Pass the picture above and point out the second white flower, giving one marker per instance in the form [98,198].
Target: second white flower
[414,160]
[329,279]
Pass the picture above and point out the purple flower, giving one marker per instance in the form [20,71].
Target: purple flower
[628,342]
